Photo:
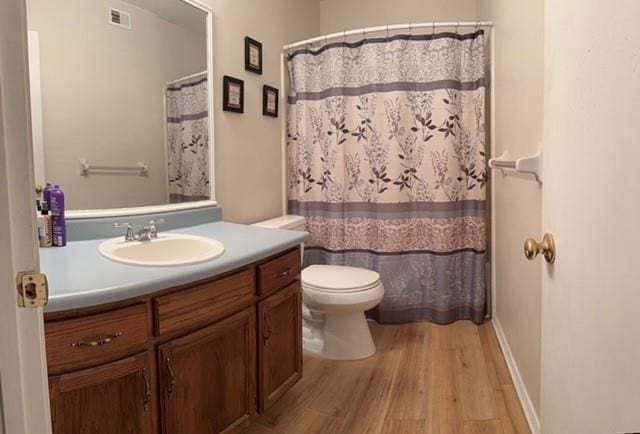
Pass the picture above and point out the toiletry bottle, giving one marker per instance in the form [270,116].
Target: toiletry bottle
[57,217]
[45,227]
[40,228]
[46,194]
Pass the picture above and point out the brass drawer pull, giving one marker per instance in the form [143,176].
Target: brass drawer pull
[283,273]
[147,390]
[171,377]
[100,342]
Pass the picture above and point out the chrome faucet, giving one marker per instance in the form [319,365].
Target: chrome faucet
[129,236]
[146,233]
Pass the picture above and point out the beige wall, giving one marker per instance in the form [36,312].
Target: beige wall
[517,202]
[340,15]
[102,96]
[248,146]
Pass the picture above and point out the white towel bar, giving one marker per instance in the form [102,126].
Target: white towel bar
[140,168]
[531,165]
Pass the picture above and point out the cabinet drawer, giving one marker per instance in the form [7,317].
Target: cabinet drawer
[204,303]
[95,339]
[278,272]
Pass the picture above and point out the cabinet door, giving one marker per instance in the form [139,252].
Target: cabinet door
[208,377]
[111,399]
[280,346]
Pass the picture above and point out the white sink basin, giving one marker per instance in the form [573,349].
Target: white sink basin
[165,251]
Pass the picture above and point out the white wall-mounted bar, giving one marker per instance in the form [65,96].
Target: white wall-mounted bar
[141,168]
[188,77]
[389,28]
[531,164]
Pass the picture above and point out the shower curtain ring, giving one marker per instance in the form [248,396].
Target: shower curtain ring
[457,27]
[433,28]
[387,32]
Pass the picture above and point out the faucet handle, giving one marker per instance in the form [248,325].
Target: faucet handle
[153,230]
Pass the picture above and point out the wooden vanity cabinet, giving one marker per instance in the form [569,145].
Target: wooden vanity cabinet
[202,358]
[113,398]
[207,378]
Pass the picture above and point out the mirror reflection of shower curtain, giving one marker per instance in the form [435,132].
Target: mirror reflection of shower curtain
[188,141]
[386,161]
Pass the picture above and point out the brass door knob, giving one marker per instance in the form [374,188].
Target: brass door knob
[547,247]
[39,189]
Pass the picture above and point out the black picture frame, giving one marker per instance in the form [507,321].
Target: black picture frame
[250,47]
[234,104]
[266,110]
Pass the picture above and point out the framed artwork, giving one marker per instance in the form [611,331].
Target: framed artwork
[232,94]
[269,101]
[252,55]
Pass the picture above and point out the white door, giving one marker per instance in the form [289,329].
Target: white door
[24,398]
[591,203]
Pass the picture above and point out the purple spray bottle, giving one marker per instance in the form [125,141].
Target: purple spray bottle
[46,194]
[58,220]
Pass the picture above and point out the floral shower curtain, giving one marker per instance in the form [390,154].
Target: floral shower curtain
[386,162]
[188,141]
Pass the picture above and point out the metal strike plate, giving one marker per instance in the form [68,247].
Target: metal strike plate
[33,289]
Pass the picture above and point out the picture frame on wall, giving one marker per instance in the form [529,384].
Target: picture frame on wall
[270,101]
[232,94]
[252,55]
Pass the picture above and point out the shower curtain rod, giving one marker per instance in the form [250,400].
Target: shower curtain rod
[390,27]
[188,77]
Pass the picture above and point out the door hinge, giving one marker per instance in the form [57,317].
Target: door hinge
[33,289]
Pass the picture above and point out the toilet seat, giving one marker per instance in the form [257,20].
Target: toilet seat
[340,291]
[339,279]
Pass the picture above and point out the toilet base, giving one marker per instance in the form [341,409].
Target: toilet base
[355,345]
[333,343]
[313,346]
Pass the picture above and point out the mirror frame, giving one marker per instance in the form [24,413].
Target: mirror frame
[154,209]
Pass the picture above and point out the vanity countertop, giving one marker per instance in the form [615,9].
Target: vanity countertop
[79,276]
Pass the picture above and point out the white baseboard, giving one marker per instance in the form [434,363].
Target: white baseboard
[521,390]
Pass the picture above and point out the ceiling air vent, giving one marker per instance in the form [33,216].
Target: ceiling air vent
[120,18]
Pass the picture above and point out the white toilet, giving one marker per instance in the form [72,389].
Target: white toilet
[334,300]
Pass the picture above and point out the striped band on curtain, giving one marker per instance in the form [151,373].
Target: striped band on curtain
[386,162]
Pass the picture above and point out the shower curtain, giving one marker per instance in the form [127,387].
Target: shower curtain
[188,141]
[386,162]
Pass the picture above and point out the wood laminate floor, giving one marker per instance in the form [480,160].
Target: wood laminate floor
[425,378]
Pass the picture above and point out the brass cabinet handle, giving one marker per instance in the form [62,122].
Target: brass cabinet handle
[547,247]
[267,331]
[147,389]
[171,377]
[283,273]
[100,342]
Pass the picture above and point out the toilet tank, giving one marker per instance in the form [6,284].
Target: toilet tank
[290,222]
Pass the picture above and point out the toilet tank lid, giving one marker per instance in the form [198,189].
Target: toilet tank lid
[283,222]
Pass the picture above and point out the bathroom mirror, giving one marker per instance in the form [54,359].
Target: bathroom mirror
[120,101]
